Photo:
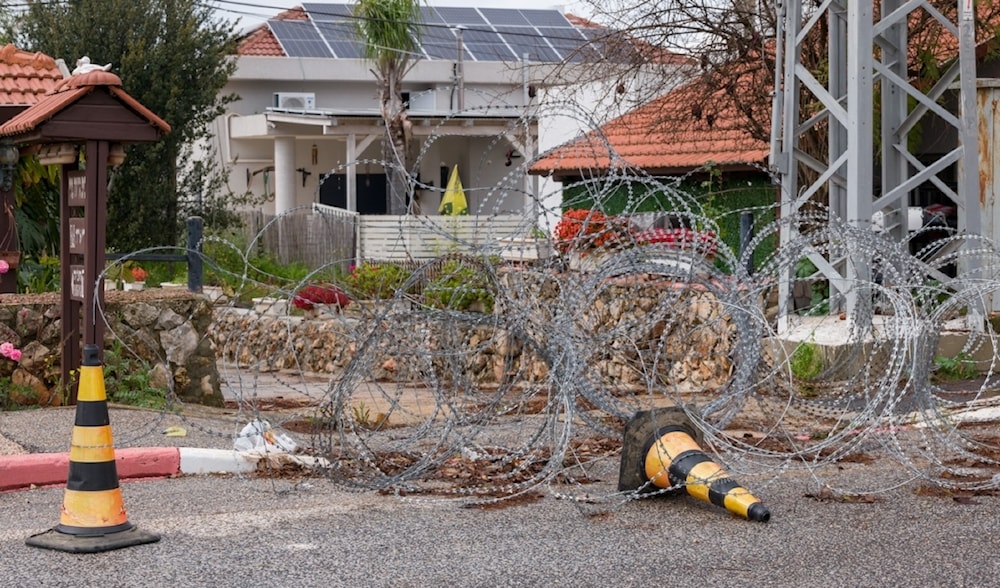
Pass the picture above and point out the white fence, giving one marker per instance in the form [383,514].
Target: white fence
[426,237]
[321,235]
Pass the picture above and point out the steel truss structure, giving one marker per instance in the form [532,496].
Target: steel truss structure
[868,51]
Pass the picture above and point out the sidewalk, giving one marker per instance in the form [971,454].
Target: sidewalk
[34,443]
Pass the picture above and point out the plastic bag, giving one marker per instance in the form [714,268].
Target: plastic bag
[258,437]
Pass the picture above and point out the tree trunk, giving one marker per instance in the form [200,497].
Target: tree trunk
[396,146]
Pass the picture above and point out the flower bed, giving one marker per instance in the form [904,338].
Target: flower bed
[582,233]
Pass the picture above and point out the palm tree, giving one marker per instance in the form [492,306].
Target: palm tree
[389,31]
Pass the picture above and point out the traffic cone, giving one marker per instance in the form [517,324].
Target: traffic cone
[661,450]
[93,515]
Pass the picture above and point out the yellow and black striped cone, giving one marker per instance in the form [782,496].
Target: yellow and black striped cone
[93,515]
[661,450]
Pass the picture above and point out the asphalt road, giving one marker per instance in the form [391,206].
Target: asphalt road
[232,531]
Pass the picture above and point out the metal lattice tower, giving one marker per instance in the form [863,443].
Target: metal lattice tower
[868,52]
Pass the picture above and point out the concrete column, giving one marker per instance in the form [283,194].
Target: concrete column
[352,172]
[284,174]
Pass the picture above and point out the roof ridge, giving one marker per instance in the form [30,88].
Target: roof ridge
[10,54]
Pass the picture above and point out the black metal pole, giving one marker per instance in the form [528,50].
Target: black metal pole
[746,235]
[196,268]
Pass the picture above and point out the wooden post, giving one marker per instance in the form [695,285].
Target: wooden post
[71,349]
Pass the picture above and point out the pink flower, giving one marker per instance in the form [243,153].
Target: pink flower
[4,267]
[6,348]
[15,354]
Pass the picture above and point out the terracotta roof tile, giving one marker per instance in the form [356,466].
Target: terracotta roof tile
[25,77]
[261,42]
[68,91]
[667,135]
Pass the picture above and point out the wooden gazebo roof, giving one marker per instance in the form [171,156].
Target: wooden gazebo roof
[88,106]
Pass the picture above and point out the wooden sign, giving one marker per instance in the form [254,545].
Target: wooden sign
[77,285]
[78,235]
[76,194]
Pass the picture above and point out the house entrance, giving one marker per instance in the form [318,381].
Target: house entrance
[371,192]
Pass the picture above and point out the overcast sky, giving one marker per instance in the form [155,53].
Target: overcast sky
[253,12]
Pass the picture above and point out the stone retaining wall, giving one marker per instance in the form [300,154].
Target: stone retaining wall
[627,331]
[164,328]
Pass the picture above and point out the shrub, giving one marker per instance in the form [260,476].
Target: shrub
[369,281]
[459,286]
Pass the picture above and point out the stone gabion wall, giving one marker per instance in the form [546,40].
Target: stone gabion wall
[164,329]
[627,330]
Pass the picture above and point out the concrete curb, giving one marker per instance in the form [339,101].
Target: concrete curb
[47,469]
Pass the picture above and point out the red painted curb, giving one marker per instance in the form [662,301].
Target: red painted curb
[46,469]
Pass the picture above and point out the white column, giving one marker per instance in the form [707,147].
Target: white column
[352,172]
[284,174]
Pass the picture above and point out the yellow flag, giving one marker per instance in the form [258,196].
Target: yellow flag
[454,203]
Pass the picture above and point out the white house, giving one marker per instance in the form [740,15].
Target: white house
[307,126]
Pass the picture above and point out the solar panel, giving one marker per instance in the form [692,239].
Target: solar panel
[460,16]
[490,34]
[486,46]
[527,40]
[546,18]
[439,42]
[504,16]
[299,38]
[342,37]
[568,42]
[429,15]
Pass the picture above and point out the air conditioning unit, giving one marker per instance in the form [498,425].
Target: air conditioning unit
[295,100]
[423,101]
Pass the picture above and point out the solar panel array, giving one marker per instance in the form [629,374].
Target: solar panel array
[487,34]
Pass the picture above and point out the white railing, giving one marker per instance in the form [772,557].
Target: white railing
[428,237]
[326,209]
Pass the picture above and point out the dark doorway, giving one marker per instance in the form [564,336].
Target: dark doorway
[371,192]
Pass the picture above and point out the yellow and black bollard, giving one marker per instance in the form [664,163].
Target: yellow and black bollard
[661,450]
[93,515]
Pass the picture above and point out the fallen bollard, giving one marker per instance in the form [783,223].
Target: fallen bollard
[660,450]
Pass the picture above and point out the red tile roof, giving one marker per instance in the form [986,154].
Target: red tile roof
[69,91]
[666,136]
[25,77]
[261,42]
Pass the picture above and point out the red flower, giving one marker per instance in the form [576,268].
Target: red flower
[582,230]
[315,294]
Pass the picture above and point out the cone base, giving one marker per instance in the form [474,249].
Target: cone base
[59,541]
[639,430]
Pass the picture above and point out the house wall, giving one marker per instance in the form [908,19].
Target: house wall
[345,89]
[576,109]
